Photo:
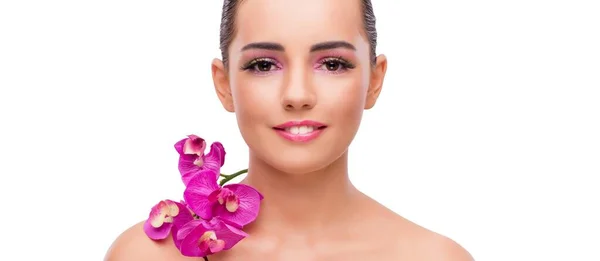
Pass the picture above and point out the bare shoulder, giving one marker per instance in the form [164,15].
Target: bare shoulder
[134,245]
[449,250]
[423,244]
[410,241]
[433,246]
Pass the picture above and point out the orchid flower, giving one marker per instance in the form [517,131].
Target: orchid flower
[236,204]
[200,238]
[165,217]
[192,159]
[211,216]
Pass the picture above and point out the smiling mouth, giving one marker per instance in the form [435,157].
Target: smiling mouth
[300,129]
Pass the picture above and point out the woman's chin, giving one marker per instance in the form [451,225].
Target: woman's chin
[298,161]
[298,168]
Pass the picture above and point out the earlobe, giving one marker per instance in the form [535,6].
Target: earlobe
[221,82]
[376,81]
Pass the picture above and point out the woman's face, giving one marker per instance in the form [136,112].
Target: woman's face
[299,79]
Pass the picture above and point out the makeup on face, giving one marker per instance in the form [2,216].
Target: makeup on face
[264,58]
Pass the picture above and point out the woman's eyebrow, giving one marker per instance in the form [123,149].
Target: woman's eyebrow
[314,48]
[332,45]
[264,46]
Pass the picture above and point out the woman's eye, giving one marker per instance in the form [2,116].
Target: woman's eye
[260,66]
[263,66]
[335,65]
[332,65]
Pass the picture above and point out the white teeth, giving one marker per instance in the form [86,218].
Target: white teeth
[294,130]
[300,130]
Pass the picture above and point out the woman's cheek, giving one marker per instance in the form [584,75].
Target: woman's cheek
[343,91]
[258,96]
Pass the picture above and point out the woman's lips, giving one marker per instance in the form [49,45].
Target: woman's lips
[300,131]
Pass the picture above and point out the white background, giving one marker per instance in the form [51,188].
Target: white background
[487,130]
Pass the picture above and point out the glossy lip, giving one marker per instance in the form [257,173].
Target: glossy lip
[314,124]
[318,129]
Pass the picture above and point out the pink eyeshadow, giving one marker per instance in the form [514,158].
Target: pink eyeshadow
[254,54]
[345,54]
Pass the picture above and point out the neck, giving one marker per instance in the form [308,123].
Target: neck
[300,201]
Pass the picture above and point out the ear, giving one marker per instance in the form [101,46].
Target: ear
[221,82]
[376,81]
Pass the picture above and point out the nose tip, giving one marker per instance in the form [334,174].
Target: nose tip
[298,98]
[298,94]
[298,106]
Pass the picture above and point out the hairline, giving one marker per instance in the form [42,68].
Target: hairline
[232,23]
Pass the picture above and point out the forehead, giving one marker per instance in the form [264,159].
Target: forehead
[297,24]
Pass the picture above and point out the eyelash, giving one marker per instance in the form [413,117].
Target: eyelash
[251,66]
[345,64]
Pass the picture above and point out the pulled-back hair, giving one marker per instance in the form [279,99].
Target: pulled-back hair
[228,27]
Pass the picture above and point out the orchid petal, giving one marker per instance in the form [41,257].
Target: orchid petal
[159,233]
[159,222]
[158,214]
[197,193]
[215,159]
[191,164]
[189,235]
[216,246]
[179,146]
[230,235]
[203,184]
[247,210]
[203,238]
[188,168]
[185,216]
[194,145]
[186,229]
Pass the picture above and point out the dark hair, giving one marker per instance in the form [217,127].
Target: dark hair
[228,27]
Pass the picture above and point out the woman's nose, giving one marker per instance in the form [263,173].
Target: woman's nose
[298,91]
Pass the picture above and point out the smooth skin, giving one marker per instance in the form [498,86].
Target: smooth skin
[311,210]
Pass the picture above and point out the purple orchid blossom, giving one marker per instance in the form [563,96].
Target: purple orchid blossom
[211,216]
[200,238]
[166,217]
[236,204]
[192,159]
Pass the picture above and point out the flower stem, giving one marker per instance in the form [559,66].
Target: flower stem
[227,178]
[205,258]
